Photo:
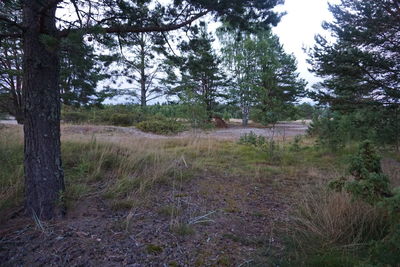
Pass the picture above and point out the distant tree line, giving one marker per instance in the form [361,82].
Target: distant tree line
[251,72]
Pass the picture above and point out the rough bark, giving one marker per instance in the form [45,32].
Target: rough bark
[44,179]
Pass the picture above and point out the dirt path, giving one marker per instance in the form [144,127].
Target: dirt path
[11,122]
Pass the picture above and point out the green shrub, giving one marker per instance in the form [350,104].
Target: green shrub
[369,183]
[252,139]
[295,145]
[265,118]
[329,130]
[159,125]
[74,116]
[336,129]
[197,115]
[121,119]
[355,223]
[269,147]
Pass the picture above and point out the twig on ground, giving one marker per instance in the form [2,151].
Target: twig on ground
[200,218]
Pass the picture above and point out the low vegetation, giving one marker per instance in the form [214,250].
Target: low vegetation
[332,221]
[352,221]
[161,120]
[161,125]
[330,198]
[119,115]
[194,115]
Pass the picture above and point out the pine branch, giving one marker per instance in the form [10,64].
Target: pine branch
[118,29]
[11,23]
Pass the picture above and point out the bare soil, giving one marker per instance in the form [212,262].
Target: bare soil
[233,132]
[194,224]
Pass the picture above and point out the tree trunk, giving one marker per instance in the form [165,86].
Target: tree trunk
[18,107]
[44,178]
[143,78]
[143,98]
[209,110]
[19,116]
[245,115]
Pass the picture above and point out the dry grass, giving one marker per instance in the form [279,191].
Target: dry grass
[122,167]
[128,170]
[325,220]
[11,168]
[119,167]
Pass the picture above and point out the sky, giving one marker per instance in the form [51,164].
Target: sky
[298,28]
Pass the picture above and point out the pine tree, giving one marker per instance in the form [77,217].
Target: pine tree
[141,58]
[11,79]
[201,81]
[279,83]
[81,69]
[361,66]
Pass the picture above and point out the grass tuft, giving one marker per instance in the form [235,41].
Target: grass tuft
[329,226]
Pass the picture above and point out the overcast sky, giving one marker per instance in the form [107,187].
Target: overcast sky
[299,26]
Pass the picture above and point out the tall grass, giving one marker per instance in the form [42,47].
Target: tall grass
[11,168]
[329,227]
[126,169]
[119,170]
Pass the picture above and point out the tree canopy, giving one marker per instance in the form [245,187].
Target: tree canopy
[361,71]
[361,66]
[265,78]
[200,79]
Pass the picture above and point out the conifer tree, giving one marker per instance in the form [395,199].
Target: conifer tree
[360,67]
[11,79]
[200,80]
[141,57]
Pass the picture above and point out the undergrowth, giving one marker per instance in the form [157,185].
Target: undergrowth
[123,116]
[355,221]
[161,125]
[121,172]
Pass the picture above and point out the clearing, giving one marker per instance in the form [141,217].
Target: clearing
[137,200]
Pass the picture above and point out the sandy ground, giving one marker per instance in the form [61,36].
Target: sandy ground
[13,122]
[116,134]
[285,129]
[233,132]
